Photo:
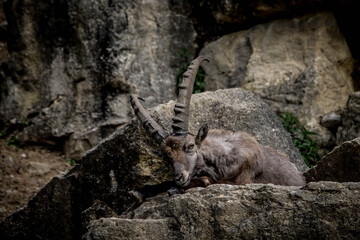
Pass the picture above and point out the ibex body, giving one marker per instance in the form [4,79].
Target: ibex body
[215,156]
[226,157]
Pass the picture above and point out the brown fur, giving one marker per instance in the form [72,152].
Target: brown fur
[226,157]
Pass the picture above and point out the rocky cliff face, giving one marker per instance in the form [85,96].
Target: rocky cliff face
[73,63]
[302,65]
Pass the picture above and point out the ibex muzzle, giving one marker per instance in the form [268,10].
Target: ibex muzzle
[219,156]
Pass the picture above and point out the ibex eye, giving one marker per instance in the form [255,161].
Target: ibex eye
[190,147]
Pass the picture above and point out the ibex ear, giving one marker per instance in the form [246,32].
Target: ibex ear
[203,131]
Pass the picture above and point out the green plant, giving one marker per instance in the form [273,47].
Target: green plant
[71,161]
[13,142]
[301,138]
[2,133]
[199,85]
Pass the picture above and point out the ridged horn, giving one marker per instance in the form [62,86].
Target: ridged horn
[151,126]
[182,107]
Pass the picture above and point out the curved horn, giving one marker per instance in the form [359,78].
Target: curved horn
[182,107]
[152,127]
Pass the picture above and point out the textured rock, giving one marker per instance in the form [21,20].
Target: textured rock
[301,65]
[129,159]
[96,211]
[115,228]
[72,63]
[331,120]
[323,210]
[342,164]
[78,143]
[350,127]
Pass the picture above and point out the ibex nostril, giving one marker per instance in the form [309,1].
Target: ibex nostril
[179,177]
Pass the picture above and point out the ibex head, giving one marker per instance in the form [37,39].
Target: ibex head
[180,147]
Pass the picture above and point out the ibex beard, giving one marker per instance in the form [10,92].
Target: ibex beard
[214,156]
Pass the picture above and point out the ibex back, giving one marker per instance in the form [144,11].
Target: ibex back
[215,156]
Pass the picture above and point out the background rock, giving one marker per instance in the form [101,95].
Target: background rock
[350,127]
[331,120]
[242,212]
[3,34]
[73,63]
[302,65]
[342,164]
[129,159]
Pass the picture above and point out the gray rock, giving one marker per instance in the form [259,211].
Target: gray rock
[114,228]
[129,159]
[96,211]
[323,210]
[301,65]
[73,64]
[342,164]
[331,120]
[350,127]
[78,143]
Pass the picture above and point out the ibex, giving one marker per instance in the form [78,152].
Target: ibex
[214,156]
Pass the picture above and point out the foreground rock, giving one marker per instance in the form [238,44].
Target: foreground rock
[323,210]
[341,165]
[130,159]
[302,65]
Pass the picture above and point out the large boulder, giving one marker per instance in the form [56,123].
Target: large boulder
[72,65]
[302,65]
[323,210]
[342,164]
[131,159]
